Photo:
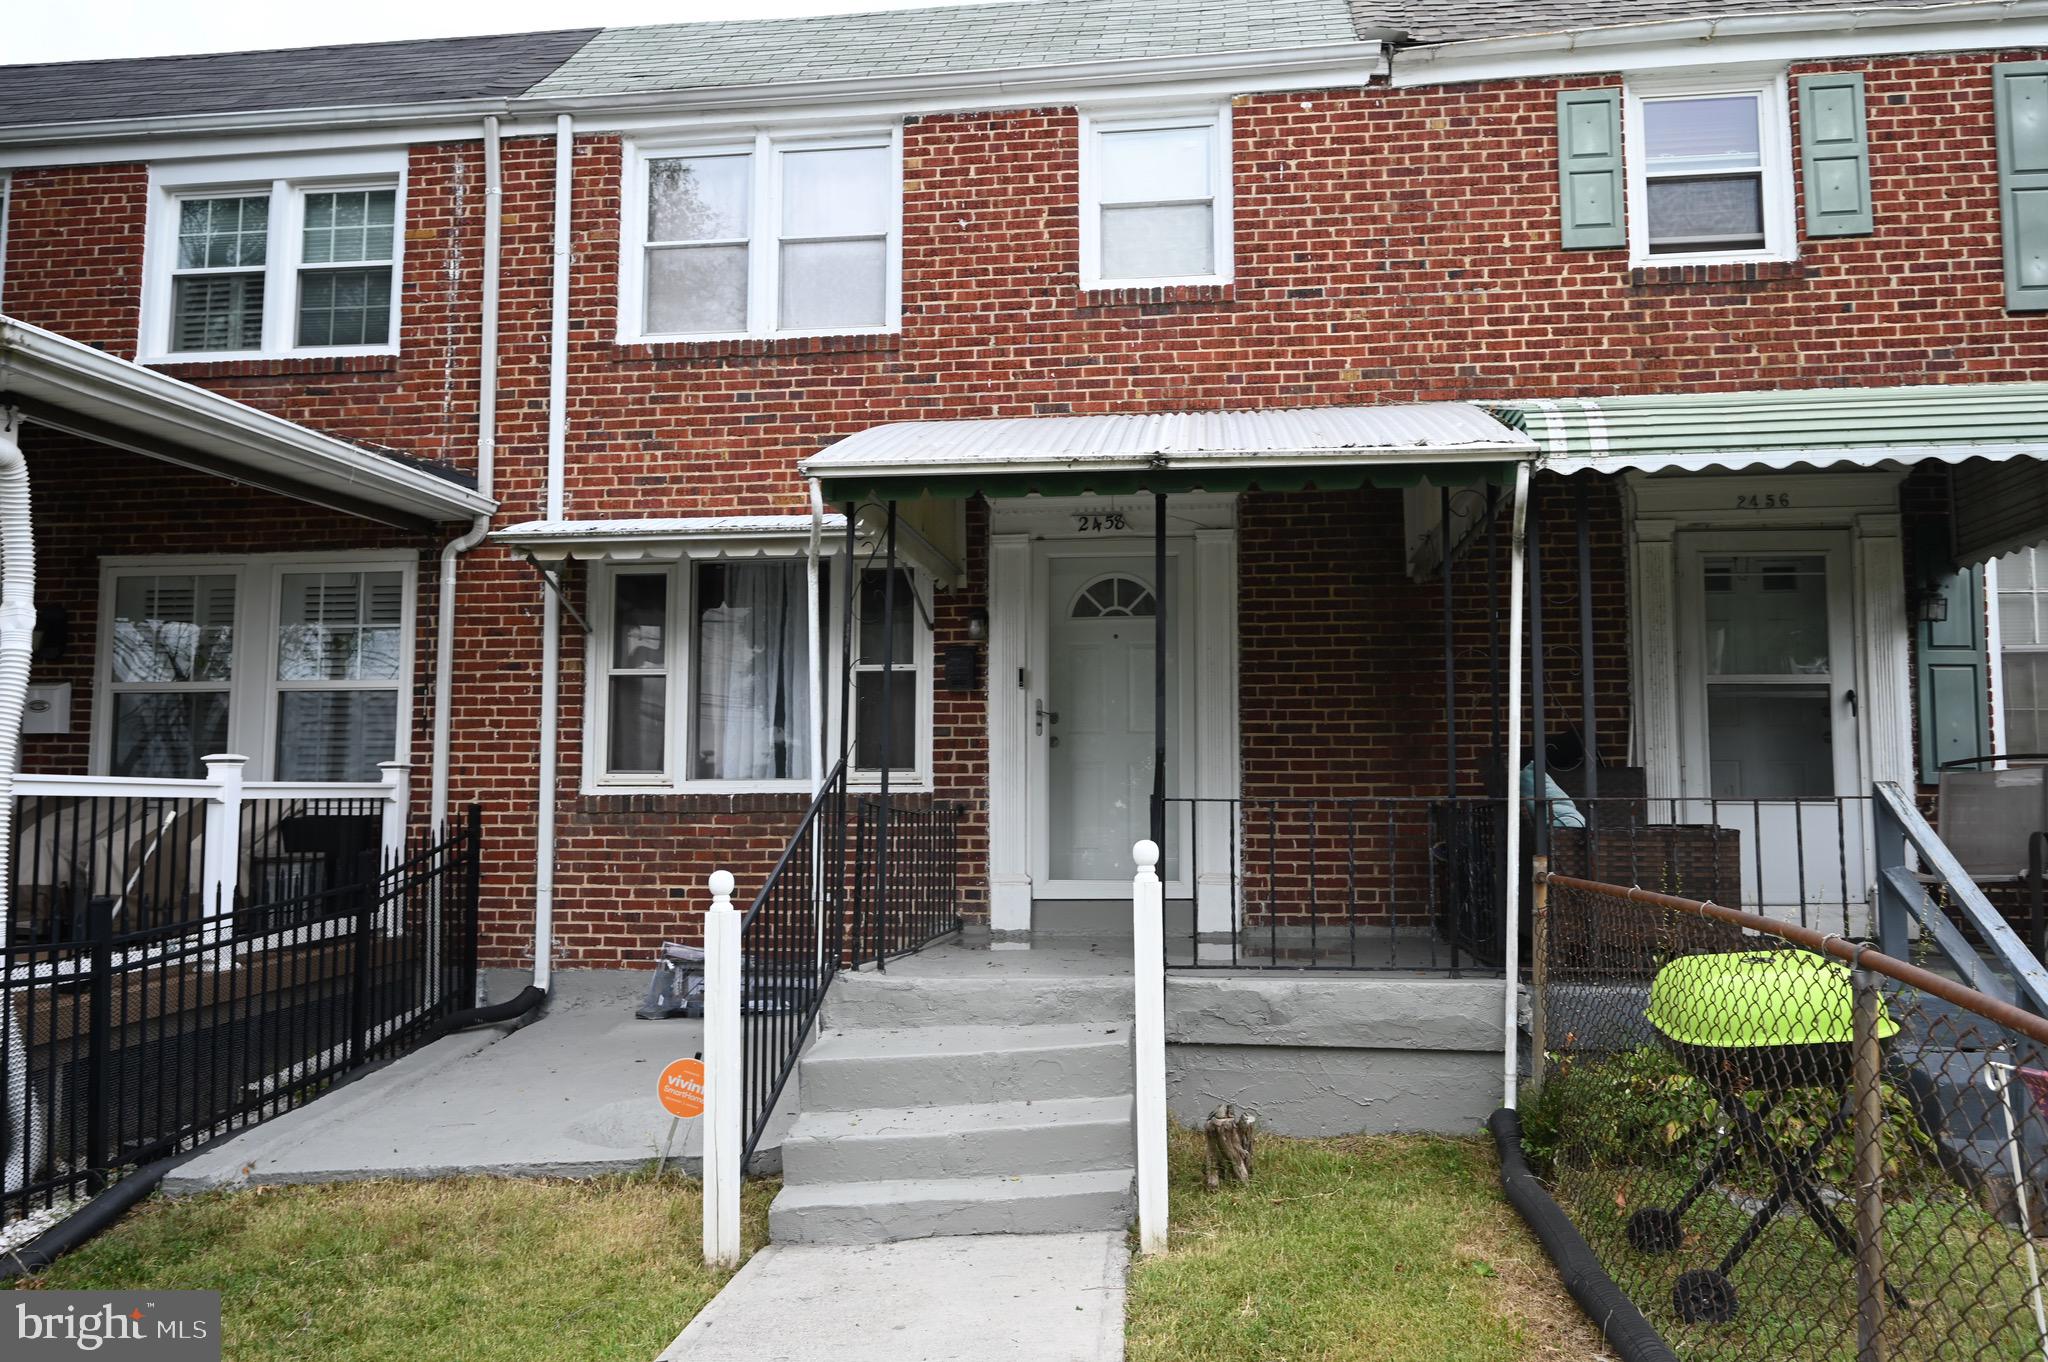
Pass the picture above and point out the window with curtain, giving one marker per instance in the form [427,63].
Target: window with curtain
[704,670]
[2023,648]
[217,282]
[774,236]
[1709,172]
[338,648]
[345,262]
[1156,200]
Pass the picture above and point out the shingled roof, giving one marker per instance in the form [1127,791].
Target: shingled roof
[356,74]
[1018,34]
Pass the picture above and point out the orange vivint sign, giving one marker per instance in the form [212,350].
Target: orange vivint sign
[682,1088]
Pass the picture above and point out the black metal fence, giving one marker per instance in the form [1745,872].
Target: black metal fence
[906,875]
[1780,1143]
[133,1039]
[1352,884]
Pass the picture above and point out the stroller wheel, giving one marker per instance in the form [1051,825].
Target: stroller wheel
[1704,1296]
[1654,1230]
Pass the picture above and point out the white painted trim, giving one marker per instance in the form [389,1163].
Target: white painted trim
[290,179]
[1218,767]
[252,686]
[70,376]
[1009,734]
[1885,626]
[1215,119]
[1781,236]
[765,151]
[1791,35]
[1994,650]
[1138,80]
[6,209]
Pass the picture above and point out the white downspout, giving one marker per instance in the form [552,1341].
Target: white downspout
[551,603]
[1511,929]
[486,467]
[17,640]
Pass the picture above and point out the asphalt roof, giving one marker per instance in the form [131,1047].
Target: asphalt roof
[711,55]
[423,71]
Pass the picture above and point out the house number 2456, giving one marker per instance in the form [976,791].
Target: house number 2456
[1762,501]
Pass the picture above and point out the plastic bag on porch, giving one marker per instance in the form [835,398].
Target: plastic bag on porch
[677,988]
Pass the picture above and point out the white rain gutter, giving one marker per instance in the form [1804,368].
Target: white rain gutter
[1791,34]
[17,641]
[551,601]
[486,468]
[1511,930]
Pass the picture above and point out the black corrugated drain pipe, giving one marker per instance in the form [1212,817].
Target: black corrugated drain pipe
[1621,1324]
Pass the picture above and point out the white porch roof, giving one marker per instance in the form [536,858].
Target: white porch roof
[60,383]
[1162,451]
[674,538]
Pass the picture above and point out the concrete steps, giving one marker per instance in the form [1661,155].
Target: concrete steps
[962,1099]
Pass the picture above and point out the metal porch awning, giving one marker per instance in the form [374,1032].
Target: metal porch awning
[57,382]
[1225,451]
[672,539]
[1801,428]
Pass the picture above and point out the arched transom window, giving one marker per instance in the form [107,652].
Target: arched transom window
[1115,597]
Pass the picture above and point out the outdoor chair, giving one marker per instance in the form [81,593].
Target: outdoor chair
[1996,824]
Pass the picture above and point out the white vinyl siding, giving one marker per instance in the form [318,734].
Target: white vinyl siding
[1155,200]
[775,235]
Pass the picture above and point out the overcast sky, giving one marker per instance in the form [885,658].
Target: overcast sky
[51,30]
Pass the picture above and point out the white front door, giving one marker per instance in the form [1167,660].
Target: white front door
[1092,716]
[1769,719]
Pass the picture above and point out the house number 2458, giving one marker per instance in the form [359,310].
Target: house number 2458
[1099,523]
[1762,501]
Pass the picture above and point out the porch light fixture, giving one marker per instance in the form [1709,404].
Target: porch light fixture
[1934,606]
[977,624]
[52,634]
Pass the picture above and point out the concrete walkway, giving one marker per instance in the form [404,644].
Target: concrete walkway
[989,1298]
[568,1095]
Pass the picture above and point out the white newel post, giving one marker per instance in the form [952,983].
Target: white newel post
[221,853]
[397,777]
[1148,1039]
[722,1091]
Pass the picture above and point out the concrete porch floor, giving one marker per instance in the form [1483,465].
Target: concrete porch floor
[568,1095]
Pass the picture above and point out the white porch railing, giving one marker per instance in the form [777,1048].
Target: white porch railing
[1148,1043]
[130,838]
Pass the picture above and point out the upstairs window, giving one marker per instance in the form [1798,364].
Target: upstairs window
[773,236]
[1709,173]
[1155,200]
[295,263]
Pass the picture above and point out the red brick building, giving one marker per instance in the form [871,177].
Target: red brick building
[1760,299]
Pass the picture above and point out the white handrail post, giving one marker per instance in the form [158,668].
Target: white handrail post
[220,857]
[1148,1037]
[722,1094]
[396,776]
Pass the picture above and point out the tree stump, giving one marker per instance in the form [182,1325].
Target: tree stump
[1229,1133]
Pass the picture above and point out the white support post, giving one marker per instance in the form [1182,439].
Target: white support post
[722,1084]
[1148,1039]
[221,853]
[397,777]
[1511,927]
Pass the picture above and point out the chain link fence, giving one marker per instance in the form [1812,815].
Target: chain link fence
[1781,1144]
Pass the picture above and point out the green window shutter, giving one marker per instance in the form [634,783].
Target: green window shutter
[1589,168]
[2020,95]
[1834,154]
[1953,677]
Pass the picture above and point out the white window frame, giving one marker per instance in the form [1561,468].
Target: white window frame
[287,181]
[1215,118]
[682,588]
[764,227]
[1774,150]
[253,688]
[1996,644]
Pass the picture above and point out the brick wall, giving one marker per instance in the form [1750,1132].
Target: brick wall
[1391,245]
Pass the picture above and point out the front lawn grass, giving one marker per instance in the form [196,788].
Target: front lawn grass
[1351,1250]
[465,1268]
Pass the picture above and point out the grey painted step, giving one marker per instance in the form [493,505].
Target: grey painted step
[875,1212]
[1101,919]
[860,1000]
[948,1065]
[1076,1135]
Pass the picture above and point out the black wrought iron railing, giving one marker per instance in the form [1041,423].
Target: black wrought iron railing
[1344,883]
[790,945]
[122,1043]
[905,875]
